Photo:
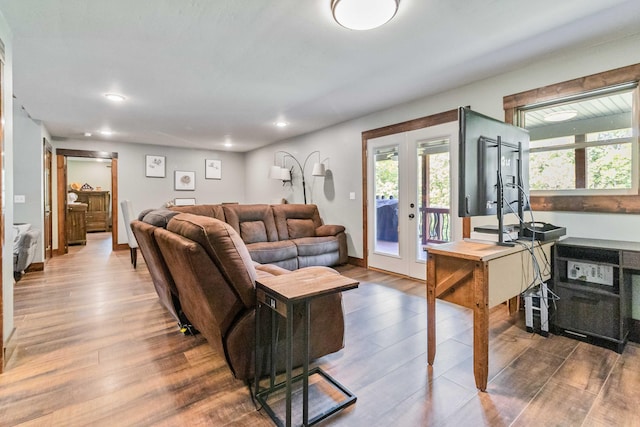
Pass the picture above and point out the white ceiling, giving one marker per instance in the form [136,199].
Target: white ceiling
[199,72]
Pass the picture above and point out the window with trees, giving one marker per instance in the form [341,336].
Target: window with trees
[584,152]
[583,144]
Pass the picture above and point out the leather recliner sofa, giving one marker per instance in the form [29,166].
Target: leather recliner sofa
[291,236]
[214,278]
[144,229]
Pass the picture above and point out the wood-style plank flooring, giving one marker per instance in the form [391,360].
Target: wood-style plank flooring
[95,347]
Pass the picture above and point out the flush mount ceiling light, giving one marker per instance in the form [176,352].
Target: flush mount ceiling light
[114,97]
[281,124]
[106,132]
[560,116]
[363,14]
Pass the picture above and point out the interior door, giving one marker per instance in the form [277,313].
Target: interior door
[412,191]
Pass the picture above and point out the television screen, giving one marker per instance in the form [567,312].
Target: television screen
[480,152]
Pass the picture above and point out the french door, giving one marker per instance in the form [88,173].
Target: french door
[412,193]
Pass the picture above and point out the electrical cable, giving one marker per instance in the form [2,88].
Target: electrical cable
[537,281]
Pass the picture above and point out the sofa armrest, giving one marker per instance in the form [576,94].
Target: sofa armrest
[329,230]
[27,250]
[271,269]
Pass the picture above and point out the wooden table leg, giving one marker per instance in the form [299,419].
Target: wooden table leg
[514,305]
[480,326]
[431,309]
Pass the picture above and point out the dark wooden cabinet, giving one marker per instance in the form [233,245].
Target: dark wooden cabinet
[592,279]
[98,209]
[76,223]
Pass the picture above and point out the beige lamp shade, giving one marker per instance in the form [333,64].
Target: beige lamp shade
[318,169]
[285,174]
[275,172]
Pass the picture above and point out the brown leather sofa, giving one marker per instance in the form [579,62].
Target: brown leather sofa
[144,230]
[291,236]
[214,279]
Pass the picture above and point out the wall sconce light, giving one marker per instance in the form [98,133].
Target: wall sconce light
[286,175]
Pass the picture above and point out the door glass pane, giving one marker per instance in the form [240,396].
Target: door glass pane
[434,194]
[386,191]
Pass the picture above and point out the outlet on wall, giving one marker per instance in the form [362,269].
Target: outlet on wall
[19,198]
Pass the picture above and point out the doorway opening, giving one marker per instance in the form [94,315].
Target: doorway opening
[101,204]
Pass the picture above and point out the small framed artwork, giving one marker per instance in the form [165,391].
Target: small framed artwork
[155,166]
[185,180]
[213,169]
[187,201]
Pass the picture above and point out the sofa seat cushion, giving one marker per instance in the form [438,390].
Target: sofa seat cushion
[272,252]
[310,246]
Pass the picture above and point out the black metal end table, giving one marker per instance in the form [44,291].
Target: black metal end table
[281,294]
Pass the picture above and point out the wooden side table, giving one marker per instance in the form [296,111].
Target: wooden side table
[477,275]
[282,294]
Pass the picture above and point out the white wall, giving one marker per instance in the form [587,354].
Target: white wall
[95,172]
[342,143]
[340,147]
[28,175]
[146,192]
[7,181]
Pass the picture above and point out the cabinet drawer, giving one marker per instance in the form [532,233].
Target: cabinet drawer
[588,312]
[97,221]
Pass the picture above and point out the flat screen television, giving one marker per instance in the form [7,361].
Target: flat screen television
[494,165]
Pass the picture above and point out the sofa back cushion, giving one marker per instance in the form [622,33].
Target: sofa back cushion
[253,232]
[294,221]
[297,228]
[208,302]
[226,250]
[212,211]
[254,223]
[157,217]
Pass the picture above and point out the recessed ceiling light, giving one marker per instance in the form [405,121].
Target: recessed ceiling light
[88,134]
[228,144]
[106,132]
[560,116]
[281,124]
[114,97]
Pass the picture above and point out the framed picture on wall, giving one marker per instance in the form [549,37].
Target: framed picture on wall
[187,201]
[155,166]
[213,169]
[185,180]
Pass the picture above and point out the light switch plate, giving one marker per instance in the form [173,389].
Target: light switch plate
[352,196]
[19,198]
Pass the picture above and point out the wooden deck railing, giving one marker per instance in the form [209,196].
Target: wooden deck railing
[435,225]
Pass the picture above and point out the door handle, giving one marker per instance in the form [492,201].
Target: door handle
[411,216]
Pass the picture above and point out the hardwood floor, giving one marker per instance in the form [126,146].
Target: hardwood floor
[95,347]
